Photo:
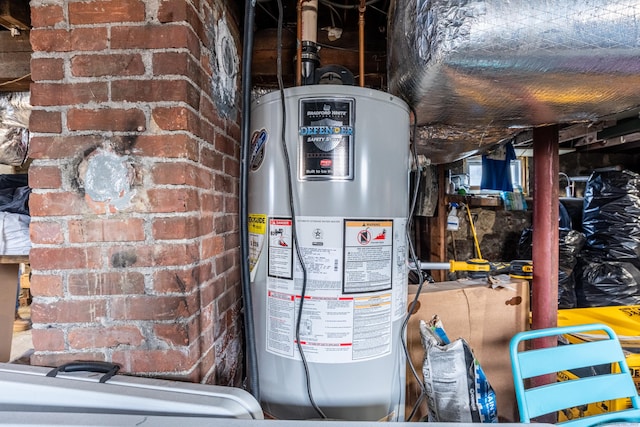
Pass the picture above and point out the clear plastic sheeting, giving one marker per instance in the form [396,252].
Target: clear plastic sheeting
[476,71]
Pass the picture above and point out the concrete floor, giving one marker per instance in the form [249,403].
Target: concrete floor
[22,345]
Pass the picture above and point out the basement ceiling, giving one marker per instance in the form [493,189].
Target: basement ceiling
[450,137]
[338,41]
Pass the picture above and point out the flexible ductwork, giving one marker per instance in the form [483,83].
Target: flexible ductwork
[476,71]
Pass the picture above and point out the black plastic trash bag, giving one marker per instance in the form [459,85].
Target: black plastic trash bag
[14,180]
[15,200]
[611,216]
[14,193]
[610,262]
[607,283]
[570,244]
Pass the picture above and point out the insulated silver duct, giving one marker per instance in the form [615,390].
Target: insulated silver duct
[476,71]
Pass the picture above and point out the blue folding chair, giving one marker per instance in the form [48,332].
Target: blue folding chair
[561,395]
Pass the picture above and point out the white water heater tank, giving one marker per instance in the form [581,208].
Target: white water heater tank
[349,166]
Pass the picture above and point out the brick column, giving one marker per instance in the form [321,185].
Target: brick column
[134,207]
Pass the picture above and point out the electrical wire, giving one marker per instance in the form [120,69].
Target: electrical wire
[249,326]
[378,10]
[415,260]
[333,12]
[15,80]
[347,6]
[293,215]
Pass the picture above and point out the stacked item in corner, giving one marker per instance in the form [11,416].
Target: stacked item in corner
[14,214]
[608,272]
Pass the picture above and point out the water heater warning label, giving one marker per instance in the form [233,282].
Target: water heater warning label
[257,230]
[351,295]
[280,248]
[368,256]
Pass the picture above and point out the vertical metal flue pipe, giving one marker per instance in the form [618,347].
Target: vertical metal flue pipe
[310,57]
[299,44]
[544,304]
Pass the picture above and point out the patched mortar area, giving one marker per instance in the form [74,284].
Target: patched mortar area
[224,62]
[107,179]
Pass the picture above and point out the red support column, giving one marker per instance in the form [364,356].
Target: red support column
[544,300]
[545,227]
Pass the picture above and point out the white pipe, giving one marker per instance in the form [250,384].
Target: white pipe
[310,20]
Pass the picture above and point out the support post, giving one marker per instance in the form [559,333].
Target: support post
[544,298]
[437,229]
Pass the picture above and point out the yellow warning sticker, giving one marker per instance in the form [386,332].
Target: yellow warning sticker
[257,223]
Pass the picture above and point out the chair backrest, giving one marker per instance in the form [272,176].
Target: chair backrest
[604,350]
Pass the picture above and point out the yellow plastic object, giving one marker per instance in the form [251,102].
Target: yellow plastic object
[473,231]
[521,269]
[625,321]
[474,264]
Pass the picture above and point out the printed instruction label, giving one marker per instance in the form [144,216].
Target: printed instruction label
[280,248]
[341,322]
[368,255]
[257,229]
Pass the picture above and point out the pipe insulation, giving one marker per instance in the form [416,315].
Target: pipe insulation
[477,71]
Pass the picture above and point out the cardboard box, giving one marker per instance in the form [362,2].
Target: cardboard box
[486,318]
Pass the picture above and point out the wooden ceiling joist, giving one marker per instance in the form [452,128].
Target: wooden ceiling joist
[15,14]
[15,57]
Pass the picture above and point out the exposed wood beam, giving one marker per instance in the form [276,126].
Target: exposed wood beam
[343,51]
[14,64]
[15,14]
[15,57]
[438,227]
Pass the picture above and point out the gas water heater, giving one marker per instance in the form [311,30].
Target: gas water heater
[349,163]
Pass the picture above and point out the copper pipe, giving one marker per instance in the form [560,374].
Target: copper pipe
[363,7]
[299,46]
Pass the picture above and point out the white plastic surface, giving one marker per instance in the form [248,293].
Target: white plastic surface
[27,388]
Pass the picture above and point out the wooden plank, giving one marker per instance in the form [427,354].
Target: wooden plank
[438,227]
[22,85]
[19,43]
[475,201]
[14,65]
[8,292]
[343,51]
[13,259]
[15,14]
[15,57]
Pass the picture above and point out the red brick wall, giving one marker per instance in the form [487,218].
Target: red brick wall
[137,263]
